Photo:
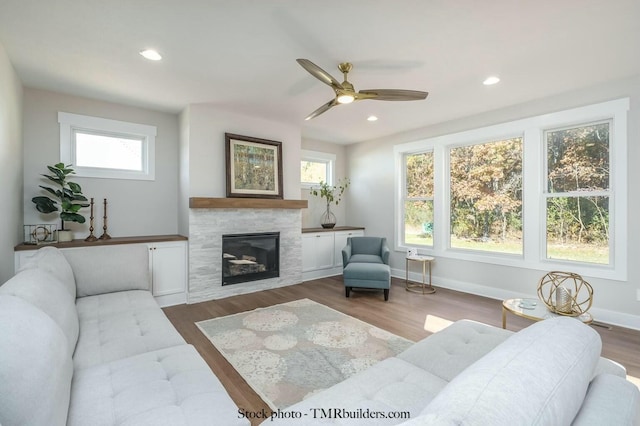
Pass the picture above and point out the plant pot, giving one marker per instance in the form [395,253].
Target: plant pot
[64,236]
[328,219]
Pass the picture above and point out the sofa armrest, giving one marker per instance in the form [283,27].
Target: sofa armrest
[346,255]
[385,252]
[610,400]
[108,269]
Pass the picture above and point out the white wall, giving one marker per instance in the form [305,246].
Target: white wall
[311,215]
[206,148]
[371,169]
[134,207]
[11,97]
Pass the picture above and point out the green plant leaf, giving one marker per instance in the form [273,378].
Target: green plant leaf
[72,217]
[45,204]
[75,188]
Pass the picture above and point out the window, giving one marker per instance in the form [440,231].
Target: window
[486,196]
[98,147]
[418,199]
[578,193]
[547,192]
[316,167]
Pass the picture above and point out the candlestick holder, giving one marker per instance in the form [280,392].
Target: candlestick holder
[105,235]
[91,237]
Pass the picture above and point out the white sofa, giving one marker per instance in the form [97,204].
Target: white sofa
[83,342]
[550,373]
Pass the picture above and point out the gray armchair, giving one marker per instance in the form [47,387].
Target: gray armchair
[366,264]
[365,250]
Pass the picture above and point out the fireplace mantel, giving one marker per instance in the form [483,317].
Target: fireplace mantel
[245,203]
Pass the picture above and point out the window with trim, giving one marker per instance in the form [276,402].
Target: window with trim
[578,193]
[418,199]
[316,167]
[485,185]
[98,147]
[547,192]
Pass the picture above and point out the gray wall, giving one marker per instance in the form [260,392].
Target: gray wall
[11,166]
[134,207]
[311,215]
[370,166]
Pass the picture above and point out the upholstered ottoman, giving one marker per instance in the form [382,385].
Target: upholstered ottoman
[367,275]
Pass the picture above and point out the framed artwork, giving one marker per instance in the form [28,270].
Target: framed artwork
[254,167]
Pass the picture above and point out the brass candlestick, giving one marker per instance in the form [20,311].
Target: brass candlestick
[104,235]
[91,237]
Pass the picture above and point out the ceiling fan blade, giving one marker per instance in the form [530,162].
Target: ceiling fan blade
[319,73]
[324,108]
[392,95]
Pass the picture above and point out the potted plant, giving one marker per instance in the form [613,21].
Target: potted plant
[332,194]
[68,195]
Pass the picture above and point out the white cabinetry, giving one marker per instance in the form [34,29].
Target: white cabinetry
[168,264]
[322,252]
[317,251]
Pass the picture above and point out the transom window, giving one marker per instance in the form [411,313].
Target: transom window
[316,167]
[547,192]
[98,147]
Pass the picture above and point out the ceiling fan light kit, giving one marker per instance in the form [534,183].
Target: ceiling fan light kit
[345,92]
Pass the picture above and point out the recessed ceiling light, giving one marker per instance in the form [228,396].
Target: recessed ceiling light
[151,54]
[491,80]
[372,118]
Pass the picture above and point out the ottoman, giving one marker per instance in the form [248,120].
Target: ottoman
[367,275]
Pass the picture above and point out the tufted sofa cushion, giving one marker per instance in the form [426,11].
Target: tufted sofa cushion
[539,376]
[447,353]
[110,268]
[52,260]
[388,386]
[35,366]
[172,386]
[118,325]
[48,294]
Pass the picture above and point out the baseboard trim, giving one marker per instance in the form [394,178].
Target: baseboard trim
[606,316]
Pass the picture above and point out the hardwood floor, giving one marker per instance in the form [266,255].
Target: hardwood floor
[404,314]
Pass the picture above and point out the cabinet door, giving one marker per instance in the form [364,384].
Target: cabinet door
[341,242]
[168,263]
[317,251]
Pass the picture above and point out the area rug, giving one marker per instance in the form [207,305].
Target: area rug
[291,351]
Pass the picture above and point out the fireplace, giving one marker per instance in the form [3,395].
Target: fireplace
[250,257]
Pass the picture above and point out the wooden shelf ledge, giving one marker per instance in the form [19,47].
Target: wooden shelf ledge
[245,203]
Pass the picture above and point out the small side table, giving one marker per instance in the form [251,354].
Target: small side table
[424,288]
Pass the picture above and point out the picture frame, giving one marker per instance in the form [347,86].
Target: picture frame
[254,167]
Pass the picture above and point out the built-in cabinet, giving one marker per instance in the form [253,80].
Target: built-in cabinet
[322,250]
[167,262]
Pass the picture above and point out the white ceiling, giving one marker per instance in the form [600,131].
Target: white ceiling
[240,54]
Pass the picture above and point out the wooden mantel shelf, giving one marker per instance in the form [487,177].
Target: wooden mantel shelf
[245,203]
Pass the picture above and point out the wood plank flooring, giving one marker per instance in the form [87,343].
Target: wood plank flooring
[404,314]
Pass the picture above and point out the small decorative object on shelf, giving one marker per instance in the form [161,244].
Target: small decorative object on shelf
[104,235]
[91,237]
[565,293]
[332,194]
[68,195]
[40,234]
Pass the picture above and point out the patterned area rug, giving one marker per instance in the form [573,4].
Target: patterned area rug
[290,351]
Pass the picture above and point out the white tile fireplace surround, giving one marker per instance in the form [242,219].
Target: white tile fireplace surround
[240,216]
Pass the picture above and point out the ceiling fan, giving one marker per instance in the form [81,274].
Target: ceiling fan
[345,93]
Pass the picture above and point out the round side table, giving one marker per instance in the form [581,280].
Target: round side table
[424,287]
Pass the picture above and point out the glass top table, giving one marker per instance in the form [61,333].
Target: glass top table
[535,310]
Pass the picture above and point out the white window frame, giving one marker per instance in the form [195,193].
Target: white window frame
[70,123]
[534,188]
[319,157]
[403,192]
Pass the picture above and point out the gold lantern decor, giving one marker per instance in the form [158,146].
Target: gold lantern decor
[565,293]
